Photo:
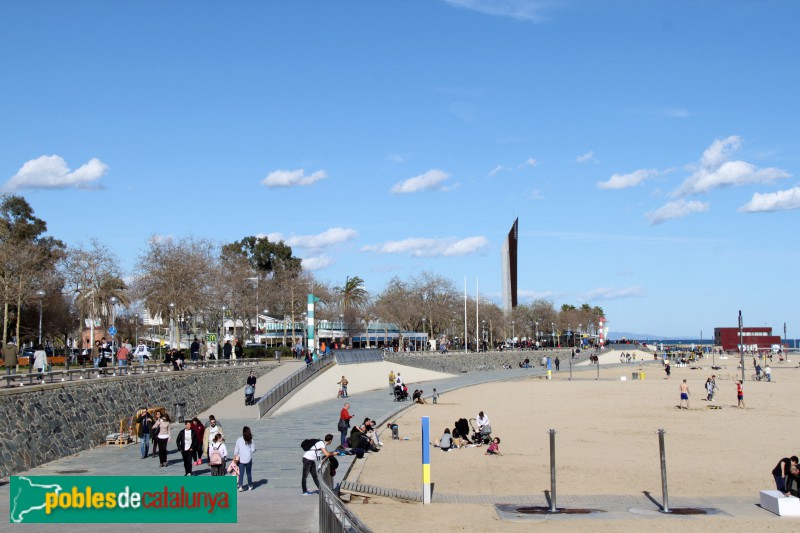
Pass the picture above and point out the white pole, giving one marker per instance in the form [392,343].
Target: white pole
[477,324]
[465,314]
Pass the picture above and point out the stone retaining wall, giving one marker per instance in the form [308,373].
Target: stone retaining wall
[46,422]
[458,362]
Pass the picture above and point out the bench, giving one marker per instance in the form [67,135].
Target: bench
[777,502]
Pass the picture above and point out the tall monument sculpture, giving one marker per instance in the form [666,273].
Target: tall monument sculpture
[509,268]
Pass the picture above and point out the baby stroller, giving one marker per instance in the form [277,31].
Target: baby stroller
[399,395]
[484,436]
[249,392]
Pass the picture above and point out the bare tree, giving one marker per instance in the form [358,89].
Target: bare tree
[173,277]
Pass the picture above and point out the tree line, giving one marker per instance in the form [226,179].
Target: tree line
[199,284]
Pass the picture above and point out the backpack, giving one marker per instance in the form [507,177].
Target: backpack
[307,444]
[215,458]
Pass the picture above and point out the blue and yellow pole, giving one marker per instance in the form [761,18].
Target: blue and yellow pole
[426,460]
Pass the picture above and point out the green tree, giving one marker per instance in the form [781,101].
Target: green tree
[27,256]
[265,257]
[352,295]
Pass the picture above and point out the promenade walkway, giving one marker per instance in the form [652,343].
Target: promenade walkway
[276,503]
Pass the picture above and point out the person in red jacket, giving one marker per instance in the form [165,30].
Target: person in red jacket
[344,421]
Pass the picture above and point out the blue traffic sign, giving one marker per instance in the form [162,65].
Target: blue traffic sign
[112,330]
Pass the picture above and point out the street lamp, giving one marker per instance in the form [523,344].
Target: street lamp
[553,335]
[483,335]
[424,330]
[513,336]
[40,294]
[341,326]
[266,321]
[537,334]
[580,337]
[136,326]
[171,326]
[113,301]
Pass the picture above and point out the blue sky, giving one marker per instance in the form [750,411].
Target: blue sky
[649,148]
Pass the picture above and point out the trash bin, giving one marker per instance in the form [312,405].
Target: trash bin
[277,355]
[641,375]
[635,375]
[180,412]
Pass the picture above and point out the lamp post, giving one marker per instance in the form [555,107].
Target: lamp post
[113,301]
[424,330]
[536,335]
[136,327]
[741,346]
[553,334]
[483,334]
[172,326]
[341,326]
[40,294]
[266,313]
[513,337]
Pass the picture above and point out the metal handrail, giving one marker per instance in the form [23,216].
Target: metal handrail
[77,374]
[334,516]
[279,391]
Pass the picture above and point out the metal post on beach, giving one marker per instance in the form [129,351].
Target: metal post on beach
[553,508]
[598,368]
[570,369]
[664,492]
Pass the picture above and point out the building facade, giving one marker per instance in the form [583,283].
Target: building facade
[753,338]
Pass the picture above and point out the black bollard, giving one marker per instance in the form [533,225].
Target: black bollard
[664,492]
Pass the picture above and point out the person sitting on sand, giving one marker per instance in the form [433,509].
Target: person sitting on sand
[446,442]
[418,397]
[494,447]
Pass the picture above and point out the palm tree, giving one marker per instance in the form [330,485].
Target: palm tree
[352,295]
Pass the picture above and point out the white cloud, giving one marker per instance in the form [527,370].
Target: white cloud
[717,170]
[534,194]
[625,181]
[52,172]
[526,10]
[496,169]
[421,247]
[530,162]
[431,181]
[612,294]
[292,178]
[775,201]
[317,262]
[329,237]
[585,158]
[676,112]
[676,209]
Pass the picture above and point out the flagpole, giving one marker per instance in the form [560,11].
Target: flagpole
[477,322]
[465,314]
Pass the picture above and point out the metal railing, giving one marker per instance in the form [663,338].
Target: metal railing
[279,391]
[77,374]
[334,516]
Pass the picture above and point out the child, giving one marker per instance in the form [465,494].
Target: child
[233,468]
[494,447]
[435,396]
[395,430]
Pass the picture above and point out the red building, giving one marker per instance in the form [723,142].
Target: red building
[756,338]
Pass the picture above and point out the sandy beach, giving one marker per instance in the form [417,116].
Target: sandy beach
[606,443]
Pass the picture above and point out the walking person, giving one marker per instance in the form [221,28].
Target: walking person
[194,350]
[343,391]
[140,353]
[40,361]
[162,438]
[212,429]
[203,350]
[684,394]
[739,394]
[558,363]
[199,432]
[227,349]
[344,421]
[187,444]
[310,457]
[10,357]
[250,389]
[245,447]
[238,353]
[217,456]
[122,359]
[145,422]
[391,381]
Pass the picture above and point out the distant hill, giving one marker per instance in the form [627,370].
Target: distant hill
[616,335]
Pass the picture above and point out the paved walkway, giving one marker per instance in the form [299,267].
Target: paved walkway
[276,504]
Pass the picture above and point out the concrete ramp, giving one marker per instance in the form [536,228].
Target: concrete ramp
[352,357]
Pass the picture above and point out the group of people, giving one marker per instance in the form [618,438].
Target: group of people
[196,441]
[459,436]
[711,389]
